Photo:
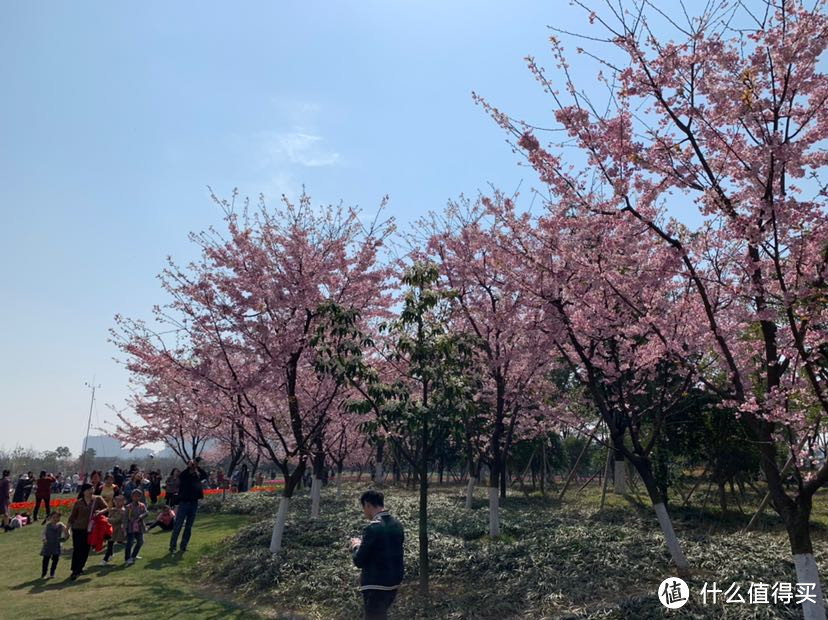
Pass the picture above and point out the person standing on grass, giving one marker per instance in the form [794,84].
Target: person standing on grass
[43,493]
[136,512]
[171,488]
[136,481]
[5,497]
[117,518]
[109,489]
[190,491]
[80,522]
[154,487]
[53,535]
[20,489]
[379,553]
[27,490]
[118,476]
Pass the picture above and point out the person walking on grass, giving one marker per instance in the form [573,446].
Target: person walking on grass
[117,518]
[43,493]
[80,522]
[53,535]
[190,491]
[136,512]
[379,553]
[5,497]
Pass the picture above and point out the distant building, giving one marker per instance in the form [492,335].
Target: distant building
[109,448]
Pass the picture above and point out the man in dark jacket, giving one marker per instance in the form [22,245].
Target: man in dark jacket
[379,553]
[190,492]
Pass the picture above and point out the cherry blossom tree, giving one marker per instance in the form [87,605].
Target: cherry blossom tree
[492,308]
[730,122]
[249,308]
[412,383]
[619,317]
[345,443]
[171,405]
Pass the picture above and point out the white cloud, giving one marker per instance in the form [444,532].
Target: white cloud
[298,148]
[278,160]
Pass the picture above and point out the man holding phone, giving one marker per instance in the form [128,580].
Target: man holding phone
[379,553]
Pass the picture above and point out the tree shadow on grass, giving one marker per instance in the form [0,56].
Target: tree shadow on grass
[188,602]
[37,586]
[163,562]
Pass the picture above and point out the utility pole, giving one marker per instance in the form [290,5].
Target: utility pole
[88,426]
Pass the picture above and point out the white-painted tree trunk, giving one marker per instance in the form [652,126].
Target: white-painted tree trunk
[469,492]
[807,571]
[494,511]
[378,473]
[670,536]
[279,526]
[316,494]
[339,485]
[620,474]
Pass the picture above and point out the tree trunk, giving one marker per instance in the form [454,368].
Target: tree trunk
[339,481]
[378,472]
[423,531]
[670,536]
[797,522]
[440,467]
[606,479]
[645,471]
[255,469]
[620,474]
[279,526]
[316,484]
[470,487]
[494,511]
[423,524]
[292,481]
[316,494]
[807,572]
[722,497]
[494,500]
[543,468]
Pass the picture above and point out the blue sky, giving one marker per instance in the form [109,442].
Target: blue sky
[115,117]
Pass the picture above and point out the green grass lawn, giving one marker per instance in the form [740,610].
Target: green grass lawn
[554,560]
[157,586]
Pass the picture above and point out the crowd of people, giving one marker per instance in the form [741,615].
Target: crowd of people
[112,509]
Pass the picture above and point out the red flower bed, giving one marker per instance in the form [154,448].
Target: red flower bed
[55,503]
[68,503]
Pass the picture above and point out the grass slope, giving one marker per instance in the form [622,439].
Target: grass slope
[157,586]
[553,561]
